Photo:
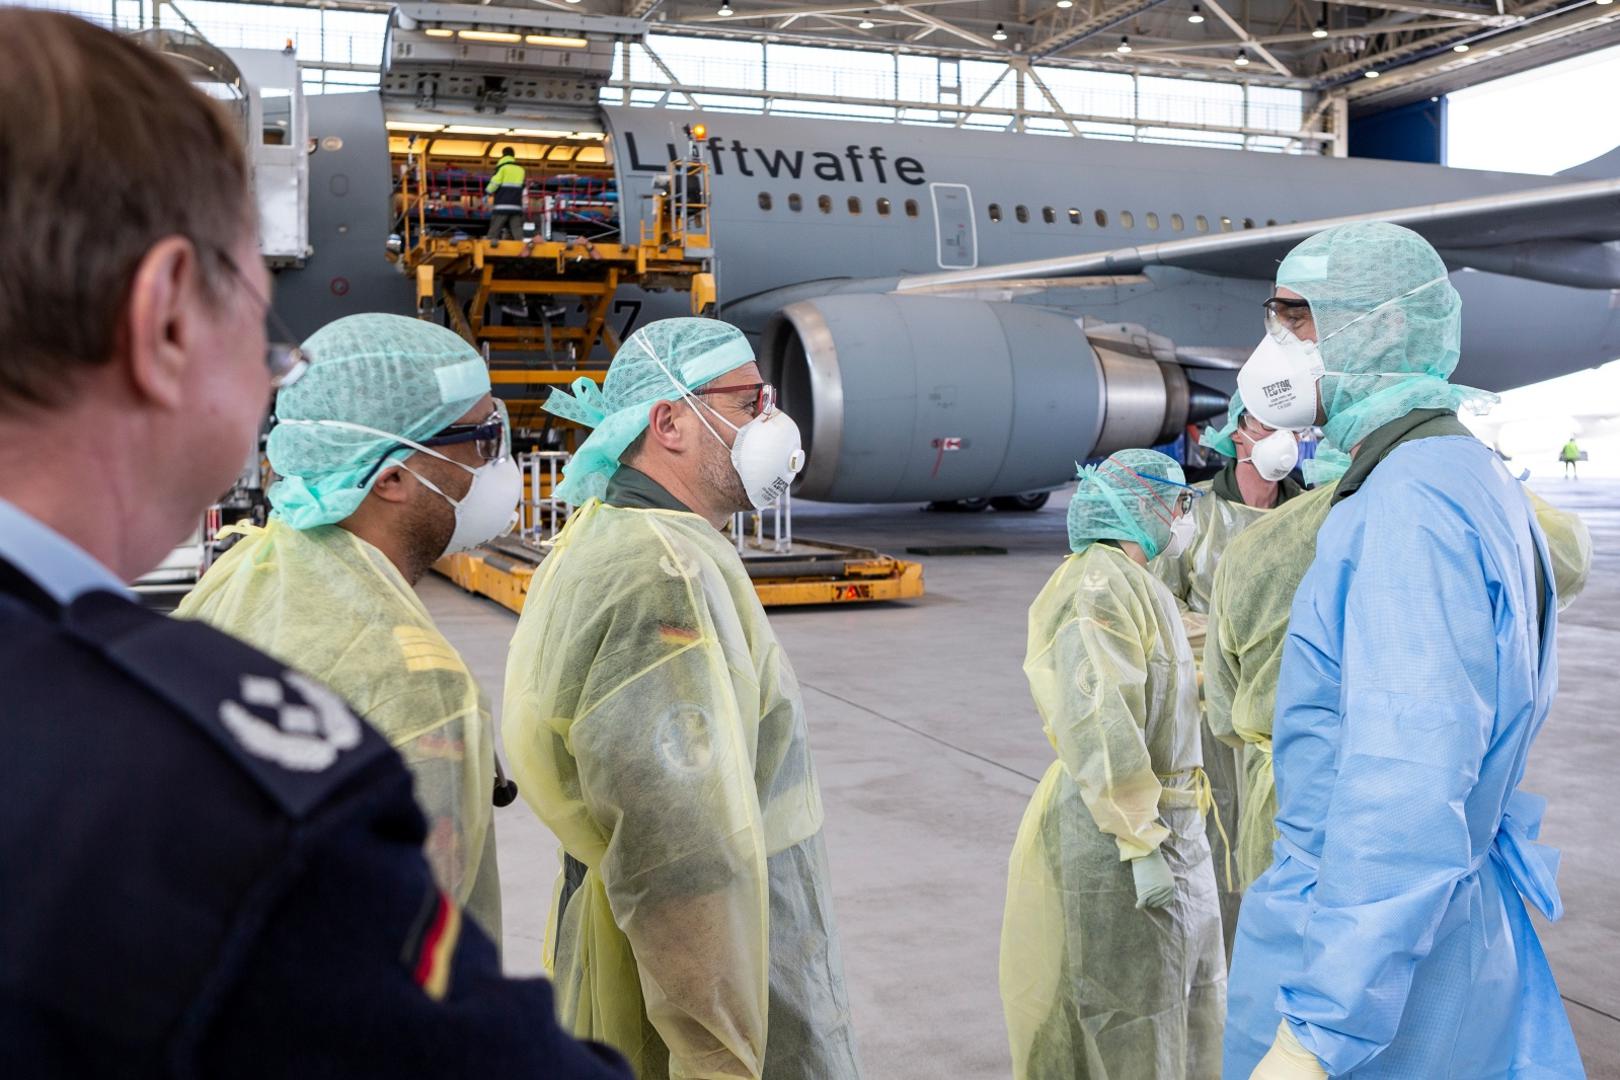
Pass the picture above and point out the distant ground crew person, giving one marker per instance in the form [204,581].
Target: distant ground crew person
[1569,456]
[506,189]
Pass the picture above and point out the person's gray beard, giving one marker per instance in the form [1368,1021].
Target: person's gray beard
[716,474]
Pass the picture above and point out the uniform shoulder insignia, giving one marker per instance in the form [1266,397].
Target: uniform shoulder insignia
[298,740]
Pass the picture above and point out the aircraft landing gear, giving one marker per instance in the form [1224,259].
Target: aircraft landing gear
[1027,503]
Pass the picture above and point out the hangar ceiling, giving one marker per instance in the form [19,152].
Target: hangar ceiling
[1417,48]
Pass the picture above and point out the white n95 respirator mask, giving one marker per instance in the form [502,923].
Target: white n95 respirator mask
[1278,382]
[766,453]
[1274,456]
[489,509]
[1182,531]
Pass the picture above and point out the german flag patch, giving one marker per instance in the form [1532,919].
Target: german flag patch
[677,635]
[430,952]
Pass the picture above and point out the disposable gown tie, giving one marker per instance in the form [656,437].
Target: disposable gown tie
[327,603]
[1092,986]
[654,724]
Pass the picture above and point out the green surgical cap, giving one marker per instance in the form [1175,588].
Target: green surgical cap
[1388,323]
[1325,466]
[1220,440]
[660,362]
[1113,502]
[403,377]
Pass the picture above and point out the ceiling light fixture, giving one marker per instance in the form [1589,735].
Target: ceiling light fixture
[553,39]
[866,23]
[1370,74]
[1000,34]
[490,35]
[412,125]
[1459,48]
[439,31]
[1124,45]
[1242,59]
[725,9]
[473,129]
[1065,4]
[1197,15]
[1604,3]
[1321,30]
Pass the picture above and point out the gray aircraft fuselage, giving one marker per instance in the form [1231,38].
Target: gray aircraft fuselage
[1515,331]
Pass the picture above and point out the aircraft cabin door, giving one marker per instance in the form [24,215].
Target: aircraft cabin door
[957,241]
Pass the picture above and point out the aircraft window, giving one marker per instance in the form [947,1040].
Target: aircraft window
[1102,219]
[1127,220]
[911,208]
[1048,214]
[1021,212]
[824,203]
[1202,223]
[995,211]
[1176,223]
[1075,216]
[1248,223]
[883,207]
[764,200]
[1270,221]
[854,204]
[795,203]
[1226,223]
[1152,220]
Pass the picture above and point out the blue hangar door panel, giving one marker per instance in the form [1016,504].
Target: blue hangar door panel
[958,247]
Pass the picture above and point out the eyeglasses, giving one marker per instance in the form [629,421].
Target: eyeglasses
[1184,497]
[489,436]
[764,400]
[286,361]
[1285,315]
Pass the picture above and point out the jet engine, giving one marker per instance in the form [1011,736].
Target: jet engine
[906,398]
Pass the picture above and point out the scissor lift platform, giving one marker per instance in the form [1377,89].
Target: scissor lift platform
[807,572]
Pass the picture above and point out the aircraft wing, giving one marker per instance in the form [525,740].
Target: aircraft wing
[1562,234]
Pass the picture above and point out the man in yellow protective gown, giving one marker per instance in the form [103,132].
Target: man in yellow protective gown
[1259,476]
[1111,959]
[654,724]
[389,451]
[1248,621]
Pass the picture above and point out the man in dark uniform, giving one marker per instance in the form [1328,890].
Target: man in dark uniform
[208,865]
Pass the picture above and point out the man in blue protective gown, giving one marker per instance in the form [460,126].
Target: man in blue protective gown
[1390,937]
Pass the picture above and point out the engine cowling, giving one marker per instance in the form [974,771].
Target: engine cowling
[920,398]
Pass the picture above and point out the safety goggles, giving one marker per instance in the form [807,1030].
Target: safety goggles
[286,361]
[1288,316]
[764,395]
[491,437]
[1184,496]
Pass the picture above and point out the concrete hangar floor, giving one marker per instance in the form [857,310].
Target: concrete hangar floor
[929,748]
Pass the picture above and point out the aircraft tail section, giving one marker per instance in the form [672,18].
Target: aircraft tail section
[1603,167]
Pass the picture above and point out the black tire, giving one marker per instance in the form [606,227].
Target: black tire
[1027,503]
[960,506]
